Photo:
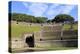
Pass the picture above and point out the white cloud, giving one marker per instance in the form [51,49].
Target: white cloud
[25,4]
[42,9]
[66,9]
[54,6]
[51,10]
[38,8]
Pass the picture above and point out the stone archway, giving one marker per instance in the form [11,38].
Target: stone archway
[29,40]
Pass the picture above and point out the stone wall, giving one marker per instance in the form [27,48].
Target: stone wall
[49,36]
[46,37]
[17,43]
[54,36]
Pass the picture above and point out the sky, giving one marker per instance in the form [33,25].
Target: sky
[49,10]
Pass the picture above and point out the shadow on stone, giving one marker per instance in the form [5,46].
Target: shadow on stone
[72,43]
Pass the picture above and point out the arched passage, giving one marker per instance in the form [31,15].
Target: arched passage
[30,41]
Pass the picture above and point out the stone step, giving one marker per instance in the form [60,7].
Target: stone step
[57,43]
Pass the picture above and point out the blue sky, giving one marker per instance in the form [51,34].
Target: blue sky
[49,10]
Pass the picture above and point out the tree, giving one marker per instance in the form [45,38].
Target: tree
[61,18]
[27,18]
[49,21]
[41,19]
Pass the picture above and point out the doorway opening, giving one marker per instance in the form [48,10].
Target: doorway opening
[30,41]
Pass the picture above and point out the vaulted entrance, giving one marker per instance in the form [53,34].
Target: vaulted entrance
[30,41]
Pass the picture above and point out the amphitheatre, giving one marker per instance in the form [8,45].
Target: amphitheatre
[27,37]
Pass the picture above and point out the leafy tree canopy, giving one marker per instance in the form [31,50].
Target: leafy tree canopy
[63,18]
[27,18]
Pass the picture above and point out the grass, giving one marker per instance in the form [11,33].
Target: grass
[67,26]
[56,47]
[18,29]
[61,48]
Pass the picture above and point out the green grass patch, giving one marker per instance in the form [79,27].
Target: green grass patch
[57,48]
[19,29]
[61,48]
[67,26]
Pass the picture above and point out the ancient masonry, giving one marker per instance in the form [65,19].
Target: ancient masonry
[49,36]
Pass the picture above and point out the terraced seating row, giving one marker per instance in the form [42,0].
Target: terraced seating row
[70,35]
[52,36]
[51,28]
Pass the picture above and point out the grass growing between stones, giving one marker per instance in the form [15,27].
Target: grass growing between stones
[67,26]
[18,29]
[61,48]
[57,47]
